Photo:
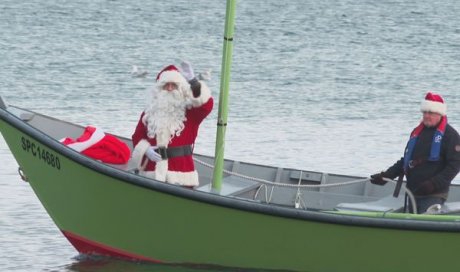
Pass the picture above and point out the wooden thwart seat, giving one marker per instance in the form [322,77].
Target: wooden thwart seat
[232,185]
[386,204]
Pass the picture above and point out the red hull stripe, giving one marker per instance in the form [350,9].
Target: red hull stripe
[89,247]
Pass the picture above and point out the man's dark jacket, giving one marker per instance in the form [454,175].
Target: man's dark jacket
[431,177]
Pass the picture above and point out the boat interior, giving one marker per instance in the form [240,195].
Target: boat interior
[269,184]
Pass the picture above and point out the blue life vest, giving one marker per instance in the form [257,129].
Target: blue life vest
[435,144]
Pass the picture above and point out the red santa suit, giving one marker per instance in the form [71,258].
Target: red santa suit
[180,131]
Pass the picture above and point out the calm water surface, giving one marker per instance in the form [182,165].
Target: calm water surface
[329,86]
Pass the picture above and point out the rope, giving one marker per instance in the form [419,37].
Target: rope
[22,174]
[299,202]
[298,186]
[408,192]
[266,182]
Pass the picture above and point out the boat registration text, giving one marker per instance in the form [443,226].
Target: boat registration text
[40,153]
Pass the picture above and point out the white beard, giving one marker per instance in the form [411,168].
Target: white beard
[165,114]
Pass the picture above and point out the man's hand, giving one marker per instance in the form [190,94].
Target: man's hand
[378,178]
[187,70]
[152,154]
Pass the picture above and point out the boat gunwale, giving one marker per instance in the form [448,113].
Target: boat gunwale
[224,201]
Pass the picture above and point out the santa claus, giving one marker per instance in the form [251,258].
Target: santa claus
[166,132]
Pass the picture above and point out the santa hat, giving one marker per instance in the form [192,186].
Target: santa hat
[434,103]
[170,74]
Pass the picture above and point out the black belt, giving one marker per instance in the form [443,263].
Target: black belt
[172,152]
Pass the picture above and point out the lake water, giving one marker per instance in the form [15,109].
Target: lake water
[330,86]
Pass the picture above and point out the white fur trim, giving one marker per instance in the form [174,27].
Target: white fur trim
[148,174]
[433,106]
[182,178]
[139,151]
[172,76]
[175,177]
[163,136]
[159,173]
[161,168]
[204,96]
[97,135]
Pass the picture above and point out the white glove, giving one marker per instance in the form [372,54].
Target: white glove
[152,154]
[187,70]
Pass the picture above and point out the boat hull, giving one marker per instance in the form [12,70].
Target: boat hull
[103,210]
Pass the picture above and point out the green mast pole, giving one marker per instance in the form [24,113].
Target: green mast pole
[223,96]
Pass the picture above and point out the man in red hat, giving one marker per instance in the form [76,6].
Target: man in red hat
[166,132]
[431,158]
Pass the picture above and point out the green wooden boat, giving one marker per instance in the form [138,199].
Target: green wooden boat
[109,210]
[252,217]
